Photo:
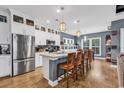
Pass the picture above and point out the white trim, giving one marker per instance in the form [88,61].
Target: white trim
[53,83]
[101,58]
[90,40]
[82,43]
[90,44]
[60,78]
[113,66]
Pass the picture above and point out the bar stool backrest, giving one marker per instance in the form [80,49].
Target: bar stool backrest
[79,56]
[90,54]
[71,58]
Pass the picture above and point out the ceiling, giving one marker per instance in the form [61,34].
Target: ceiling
[93,18]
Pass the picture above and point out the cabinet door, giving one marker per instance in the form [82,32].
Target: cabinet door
[5,67]
[36,37]
[36,60]
[18,28]
[40,61]
[4,36]
[29,30]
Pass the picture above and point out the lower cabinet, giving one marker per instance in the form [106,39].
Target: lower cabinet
[38,60]
[5,65]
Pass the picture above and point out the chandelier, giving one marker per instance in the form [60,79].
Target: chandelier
[62,25]
[78,32]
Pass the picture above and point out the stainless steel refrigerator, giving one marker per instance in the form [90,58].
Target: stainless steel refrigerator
[23,54]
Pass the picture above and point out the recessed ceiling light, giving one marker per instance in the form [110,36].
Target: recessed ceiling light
[47,21]
[75,22]
[58,10]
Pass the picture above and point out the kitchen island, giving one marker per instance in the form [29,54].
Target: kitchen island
[50,62]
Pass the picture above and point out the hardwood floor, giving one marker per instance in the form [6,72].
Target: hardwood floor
[102,75]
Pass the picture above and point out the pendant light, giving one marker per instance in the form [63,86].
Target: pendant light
[78,32]
[62,25]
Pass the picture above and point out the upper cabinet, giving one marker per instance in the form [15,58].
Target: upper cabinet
[4,28]
[68,41]
[43,29]
[22,24]
[18,19]
[29,22]
[37,27]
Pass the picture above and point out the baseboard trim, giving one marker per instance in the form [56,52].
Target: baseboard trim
[53,83]
[101,58]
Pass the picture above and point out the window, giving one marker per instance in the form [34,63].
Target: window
[96,46]
[86,44]
[64,41]
[68,41]
[93,43]
[3,18]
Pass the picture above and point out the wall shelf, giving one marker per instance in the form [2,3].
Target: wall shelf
[108,48]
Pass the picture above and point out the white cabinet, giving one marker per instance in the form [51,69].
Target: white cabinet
[40,38]
[29,30]
[5,66]
[22,29]
[17,28]
[38,60]
[5,33]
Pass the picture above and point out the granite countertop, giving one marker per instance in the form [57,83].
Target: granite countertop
[5,55]
[53,54]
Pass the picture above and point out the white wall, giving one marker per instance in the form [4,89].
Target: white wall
[4,29]
[5,38]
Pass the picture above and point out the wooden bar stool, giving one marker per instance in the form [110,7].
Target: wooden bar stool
[68,67]
[86,59]
[91,57]
[79,64]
